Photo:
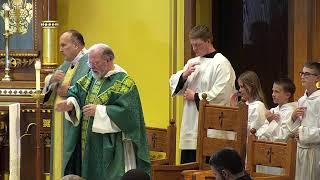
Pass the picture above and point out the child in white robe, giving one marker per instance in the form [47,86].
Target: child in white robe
[308,133]
[275,126]
[251,92]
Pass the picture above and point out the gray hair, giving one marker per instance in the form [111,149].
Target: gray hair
[105,50]
[72,177]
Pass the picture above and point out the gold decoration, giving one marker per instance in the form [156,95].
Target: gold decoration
[20,15]
[46,123]
[50,43]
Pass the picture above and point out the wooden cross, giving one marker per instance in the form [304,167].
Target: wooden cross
[154,140]
[221,119]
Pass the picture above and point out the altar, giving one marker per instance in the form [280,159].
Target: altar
[28,38]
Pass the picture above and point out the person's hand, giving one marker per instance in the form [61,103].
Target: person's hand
[57,77]
[62,91]
[271,116]
[89,110]
[234,99]
[190,70]
[189,95]
[63,106]
[299,112]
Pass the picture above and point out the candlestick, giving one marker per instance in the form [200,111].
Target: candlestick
[6,18]
[37,67]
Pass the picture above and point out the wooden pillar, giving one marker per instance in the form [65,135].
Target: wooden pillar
[189,23]
[304,37]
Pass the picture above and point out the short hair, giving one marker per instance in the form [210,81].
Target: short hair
[201,32]
[228,159]
[76,37]
[71,177]
[287,85]
[135,174]
[313,65]
[105,50]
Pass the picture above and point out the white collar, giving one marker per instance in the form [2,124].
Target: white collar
[79,56]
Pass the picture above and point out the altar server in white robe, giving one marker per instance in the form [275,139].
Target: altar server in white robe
[211,73]
[251,92]
[275,126]
[308,134]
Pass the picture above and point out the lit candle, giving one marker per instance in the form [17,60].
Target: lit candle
[6,17]
[37,67]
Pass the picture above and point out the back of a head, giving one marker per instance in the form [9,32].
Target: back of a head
[228,159]
[71,177]
[201,32]
[135,174]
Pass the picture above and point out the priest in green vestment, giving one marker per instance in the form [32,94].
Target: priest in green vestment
[107,129]
[75,66]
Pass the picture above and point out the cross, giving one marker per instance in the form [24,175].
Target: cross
[154,139]
[221,119]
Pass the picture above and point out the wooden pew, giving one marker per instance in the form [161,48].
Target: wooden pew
[231,119]
[162,145]
[275,154]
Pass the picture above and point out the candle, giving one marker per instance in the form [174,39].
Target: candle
[37,67]
[6,17]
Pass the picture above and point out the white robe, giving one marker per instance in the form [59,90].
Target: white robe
[215,77]
[308,150]
[256,114]
[277,130]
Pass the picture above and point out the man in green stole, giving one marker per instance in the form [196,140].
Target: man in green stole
[56,86]
[107,128]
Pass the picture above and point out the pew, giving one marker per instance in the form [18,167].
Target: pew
[229,124]
[274,154]
[162,144]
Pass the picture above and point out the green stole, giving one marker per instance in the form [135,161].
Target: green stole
[72,75]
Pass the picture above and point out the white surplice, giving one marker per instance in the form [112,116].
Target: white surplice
[256,114]
[277,130]
[213,76]
[308,152]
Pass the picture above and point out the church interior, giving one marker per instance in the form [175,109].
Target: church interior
[150,40]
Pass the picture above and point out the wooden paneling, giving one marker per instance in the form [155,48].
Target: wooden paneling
[189,23]
[303,37]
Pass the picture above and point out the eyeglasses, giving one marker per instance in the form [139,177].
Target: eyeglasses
[307,74]
[92,64]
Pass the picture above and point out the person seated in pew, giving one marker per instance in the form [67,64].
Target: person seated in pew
[275,126]
[251,92]
[306,119]
[135,174]
[71,177]
[227,165]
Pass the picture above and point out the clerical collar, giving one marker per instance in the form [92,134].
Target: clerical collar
[79,56]
[210,55]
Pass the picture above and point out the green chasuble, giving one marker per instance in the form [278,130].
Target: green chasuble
[101,156]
